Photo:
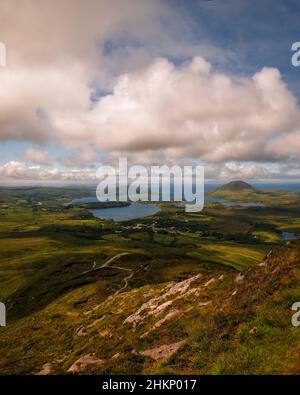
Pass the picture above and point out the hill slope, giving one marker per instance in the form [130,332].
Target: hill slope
[237,190]
[226,323]
[236,186]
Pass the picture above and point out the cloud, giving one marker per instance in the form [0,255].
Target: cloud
[37,156]
[103,37]
[284,170]
[21,171]
[73,51]
[234,170]
[222,172]
[286,144]
[60,31]
[86,156]
[188,111]
[30,98]
[97,77]
[184,111]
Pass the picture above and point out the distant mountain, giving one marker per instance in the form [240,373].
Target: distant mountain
[236,186]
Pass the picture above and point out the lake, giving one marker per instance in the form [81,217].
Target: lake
[210,199]
[119,214]
[134,211]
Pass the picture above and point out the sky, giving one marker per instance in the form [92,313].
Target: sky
[159,82]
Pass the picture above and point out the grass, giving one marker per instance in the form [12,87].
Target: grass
[238,257]
[45,250]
